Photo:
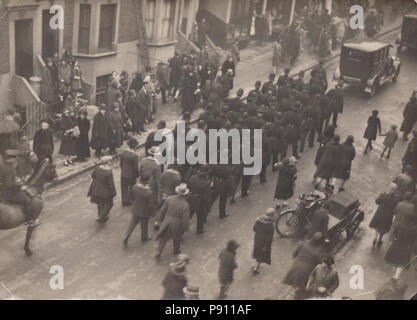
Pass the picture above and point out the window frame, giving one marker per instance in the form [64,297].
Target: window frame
[86,49]
[167,32]
[94,34]
[111,26]
[150,20]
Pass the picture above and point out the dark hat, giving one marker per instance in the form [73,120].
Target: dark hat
[329,260]
[132,143]
[232,245]
[161,124]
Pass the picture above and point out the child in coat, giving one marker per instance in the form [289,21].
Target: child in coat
[391,138]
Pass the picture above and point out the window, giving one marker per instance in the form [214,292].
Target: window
[84,28]
[150,18]
[102,83]
[355,56]
[168,17]
[107,21]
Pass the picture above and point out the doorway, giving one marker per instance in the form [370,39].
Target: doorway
[50,37]
[24,47]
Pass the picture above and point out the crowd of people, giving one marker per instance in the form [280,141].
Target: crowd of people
[290,111]
[61,81]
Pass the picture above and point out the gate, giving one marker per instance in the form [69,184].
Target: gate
[32,114]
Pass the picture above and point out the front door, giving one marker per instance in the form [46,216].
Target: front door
[24,47]
[50,37]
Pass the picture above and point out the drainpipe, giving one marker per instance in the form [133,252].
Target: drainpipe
[292,12]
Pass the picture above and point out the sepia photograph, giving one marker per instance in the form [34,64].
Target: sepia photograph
[223,150]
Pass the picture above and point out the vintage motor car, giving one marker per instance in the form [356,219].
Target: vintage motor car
[407,37]
[367,65]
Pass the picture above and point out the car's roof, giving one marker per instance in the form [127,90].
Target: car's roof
[411,16]
[366,46]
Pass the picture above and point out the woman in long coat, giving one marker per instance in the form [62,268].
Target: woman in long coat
[383,216]
[67,147]
[410,117]
[264,234]
[344,165]
[305,258]
[82,144]
[325,138]
[284,189]
[374,125]
[402,246]
[328,161]
[99,133]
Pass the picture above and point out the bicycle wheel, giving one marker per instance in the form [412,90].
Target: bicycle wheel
[288,224]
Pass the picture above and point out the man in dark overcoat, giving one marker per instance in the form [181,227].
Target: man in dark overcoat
[200,196]
[172,220]
[149,167]
[100,130]
[102,189]
[143,208]
[222,175]
[227,266]
[328,161]
[344,164]
[129,165]
[143,99]
[335,96]
[410,117]
[135,112]
[175,64]
[43,143]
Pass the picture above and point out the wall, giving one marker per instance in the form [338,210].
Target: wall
[161,53]
[125,59]
[5,93]
[128,27]
[220,8]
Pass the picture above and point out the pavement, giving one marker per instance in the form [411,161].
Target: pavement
[97,267]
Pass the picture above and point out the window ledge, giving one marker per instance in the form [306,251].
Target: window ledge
[161,44]
[95,55]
